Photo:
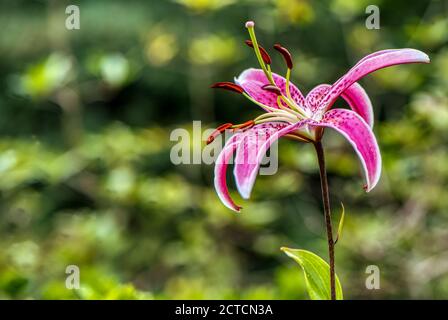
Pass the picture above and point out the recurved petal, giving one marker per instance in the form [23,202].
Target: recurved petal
[252,81]
[221,164]
[359,101]
[361,137]
[370,63]
[252,148]
[377,53]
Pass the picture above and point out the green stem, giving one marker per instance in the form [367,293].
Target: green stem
[326,202]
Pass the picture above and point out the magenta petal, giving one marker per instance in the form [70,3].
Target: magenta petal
[361,137]
[355,96]
[316,94]
[220,172]
[359,101]
[370,63]
[252,148]
[252,81]
[377,53]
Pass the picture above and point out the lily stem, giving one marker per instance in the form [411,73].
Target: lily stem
[327,212]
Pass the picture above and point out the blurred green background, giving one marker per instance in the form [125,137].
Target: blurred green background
[86,177]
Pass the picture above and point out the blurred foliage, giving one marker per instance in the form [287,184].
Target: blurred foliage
[86,177]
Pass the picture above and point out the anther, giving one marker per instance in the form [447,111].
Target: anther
[228,86]
[218,131]
[247,124]
[286,55]
[273,89]
[264,53]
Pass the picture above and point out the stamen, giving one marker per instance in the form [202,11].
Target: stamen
[275,119]
[245,125]
[288,90]
[264,53]
[218,131]
[228,86]
[288,117]
[224,127]
[288,60]
[286,55]
[290,107]
[272,89]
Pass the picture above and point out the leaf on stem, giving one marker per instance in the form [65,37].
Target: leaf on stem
[341,224]
[316,272]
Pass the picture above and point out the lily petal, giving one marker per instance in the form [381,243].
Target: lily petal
[369,64]
[316,94]
[253,147]
[359,101]
[252,81]
[361,137]
[221,169]
[355,96]
[377,53]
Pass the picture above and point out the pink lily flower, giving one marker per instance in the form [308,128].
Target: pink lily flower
[288,113]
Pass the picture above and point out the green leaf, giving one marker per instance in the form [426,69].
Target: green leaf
[341,224]
[317,274]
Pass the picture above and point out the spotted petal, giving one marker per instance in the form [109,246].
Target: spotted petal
[252,81]
[314,97]
[371,63]
[358,133]
[355,96]
[253,147]
[359,101]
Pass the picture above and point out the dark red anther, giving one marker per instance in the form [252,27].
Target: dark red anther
[264,53]
[286,55]
[228,86]
[272,88]
[218,131]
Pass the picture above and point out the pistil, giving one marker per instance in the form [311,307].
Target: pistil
[264,54]
[250,27]
[265,62]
